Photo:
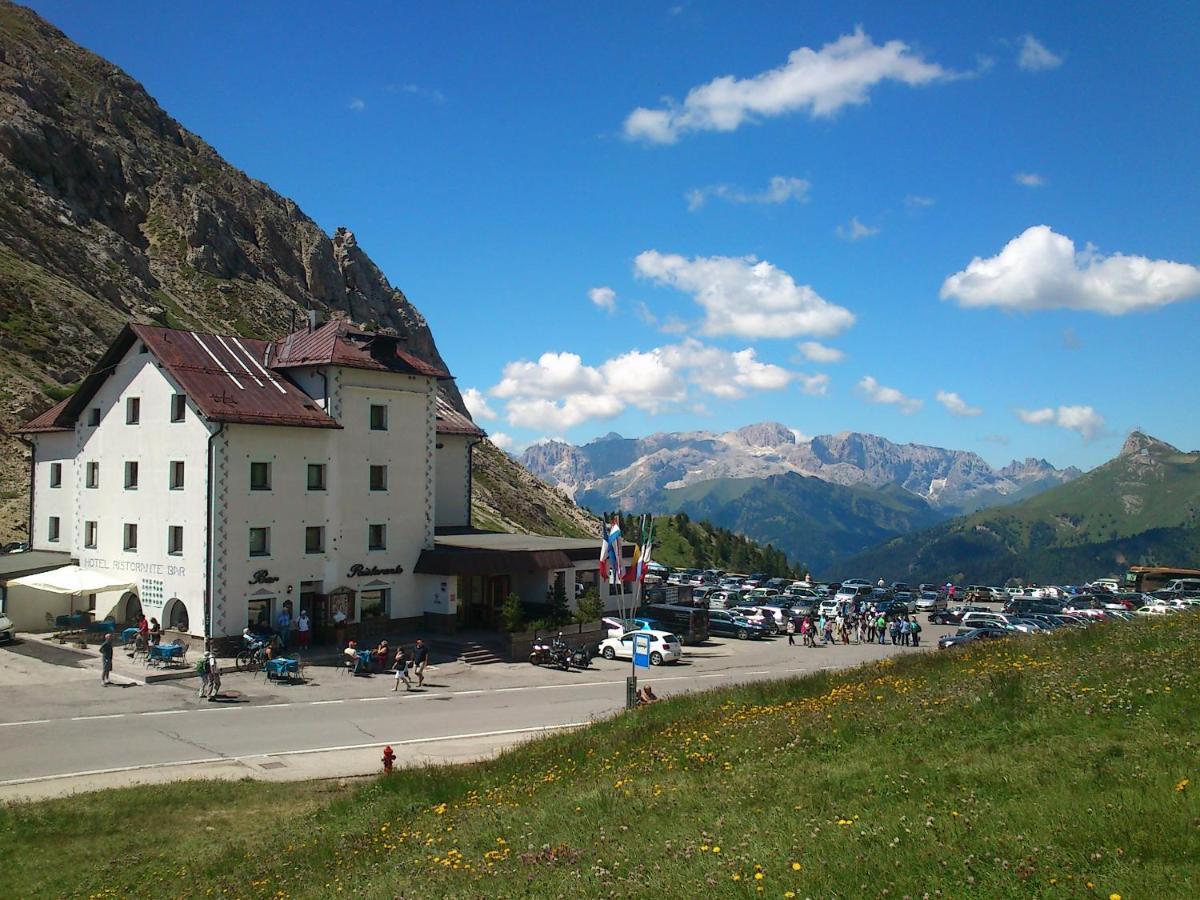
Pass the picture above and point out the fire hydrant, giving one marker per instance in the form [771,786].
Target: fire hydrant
[389,757]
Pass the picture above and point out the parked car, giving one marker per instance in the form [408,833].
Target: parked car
[614,627]
[954,615]
[930,601]
[969,635]
[726,624]
[763,619]
[6,629]
[828,607]
[664,647]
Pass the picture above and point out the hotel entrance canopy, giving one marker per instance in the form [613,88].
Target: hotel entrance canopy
[493,553]
[74,580]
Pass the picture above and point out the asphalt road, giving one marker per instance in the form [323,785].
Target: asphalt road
[58,723]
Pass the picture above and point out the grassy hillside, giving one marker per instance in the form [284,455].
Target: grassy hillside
[506,497]
[1061,766]
[807,518]
[682,543]
[1141,508]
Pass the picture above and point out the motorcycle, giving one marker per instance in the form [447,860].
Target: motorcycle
[581,658]
[540,654]
[559,654]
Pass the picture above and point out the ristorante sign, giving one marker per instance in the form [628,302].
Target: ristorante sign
[128,565]
[359,570]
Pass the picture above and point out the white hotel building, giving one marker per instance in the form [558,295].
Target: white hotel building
[223,478]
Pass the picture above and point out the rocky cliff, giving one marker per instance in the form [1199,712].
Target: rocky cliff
[111,211]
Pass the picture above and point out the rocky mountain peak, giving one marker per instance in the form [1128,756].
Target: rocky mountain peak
[1141,444]
[764,435]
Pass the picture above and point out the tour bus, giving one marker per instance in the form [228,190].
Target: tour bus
[689,622]
[1148,579]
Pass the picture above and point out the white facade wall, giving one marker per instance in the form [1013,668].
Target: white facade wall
[453,490]
[345,509]
[53,449]
[408,508]
[153,443]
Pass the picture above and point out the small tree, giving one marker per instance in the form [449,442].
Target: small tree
[590,607]
[511,613]
[558,603]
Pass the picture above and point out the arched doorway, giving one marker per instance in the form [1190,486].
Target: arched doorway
[175,615]
[129,607]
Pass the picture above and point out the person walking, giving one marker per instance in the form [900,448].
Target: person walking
[791,632]
[881,628]
[283,625]
[914,628]
[303,630]
[106,655]
[155,633]
[894,628]
[828,637]
[420,660]
[904,631]
[400,667]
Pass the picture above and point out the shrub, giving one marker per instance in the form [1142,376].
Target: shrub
[511,613]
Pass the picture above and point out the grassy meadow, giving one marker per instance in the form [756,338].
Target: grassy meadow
[1051,766]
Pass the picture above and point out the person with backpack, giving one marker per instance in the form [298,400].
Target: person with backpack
[914,628]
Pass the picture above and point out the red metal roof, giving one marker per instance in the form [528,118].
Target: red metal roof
[228,379]
[223,375]
[47,421]
[337,344]
[451,421]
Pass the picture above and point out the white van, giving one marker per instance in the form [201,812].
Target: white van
[1184,586]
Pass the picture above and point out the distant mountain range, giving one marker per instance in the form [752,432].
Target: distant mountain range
[1141,508]
[630,473]
[818,500]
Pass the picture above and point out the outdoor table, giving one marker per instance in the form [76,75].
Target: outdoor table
[129,635]
[105,626]
[164,653]
[282,667]
[364,659]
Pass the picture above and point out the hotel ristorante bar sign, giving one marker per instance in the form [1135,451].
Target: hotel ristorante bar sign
[358,570]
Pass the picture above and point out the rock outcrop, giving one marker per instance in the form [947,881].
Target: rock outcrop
[111,211]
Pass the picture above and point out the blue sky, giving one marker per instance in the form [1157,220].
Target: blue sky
[796,174]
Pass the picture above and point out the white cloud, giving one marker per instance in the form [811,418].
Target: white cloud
[643,312]
[559,391]
[1040,269]
[1036,416]
[819,82]
[501,440]
[918,200]
[1034,56]
[540,413]
[801,437]
[1029,179]
[603,297]
[553,375]
[780,189]
[357,104]
[855,230]
[477,405]
[814,385]
[745,297]
[645,380]
[877,393]
[1082,419]
[415,90]
[956,405]
[814,351]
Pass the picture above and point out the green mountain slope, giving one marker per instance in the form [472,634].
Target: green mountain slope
[683,544]
[1143,507]
[813,521]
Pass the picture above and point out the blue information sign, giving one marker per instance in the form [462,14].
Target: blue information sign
[641,650]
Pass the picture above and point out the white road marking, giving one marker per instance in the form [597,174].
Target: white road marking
[324,702]
[165,712]
[26,722]
[89,718]
[373,699]
[537,729]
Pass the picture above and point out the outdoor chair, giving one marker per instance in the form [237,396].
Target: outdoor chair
[183,652]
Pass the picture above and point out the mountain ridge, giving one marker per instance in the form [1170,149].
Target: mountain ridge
[616,471]
[1141,507]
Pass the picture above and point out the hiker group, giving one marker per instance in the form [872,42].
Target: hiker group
[865,627]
